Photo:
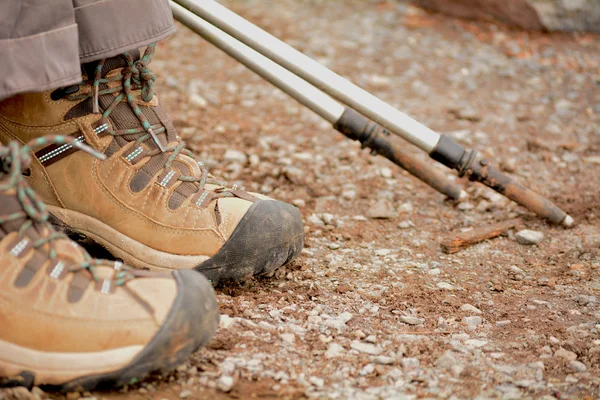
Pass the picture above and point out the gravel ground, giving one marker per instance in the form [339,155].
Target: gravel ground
[373,309]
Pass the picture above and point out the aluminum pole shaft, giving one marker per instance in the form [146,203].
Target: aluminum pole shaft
[313,72]
[296,87]
[346,121]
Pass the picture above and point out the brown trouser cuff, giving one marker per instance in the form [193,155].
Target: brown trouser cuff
[111,27]
[39,62]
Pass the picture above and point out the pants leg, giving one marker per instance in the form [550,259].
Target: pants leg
[38,45]
[111,27]
[42,42]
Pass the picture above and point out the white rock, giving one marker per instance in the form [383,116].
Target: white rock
[289,338]
[366,348]
[198,100]
[405,224]
[383,360]
[444,286]
[472,321]
[334,350]
[411,320]
[225,321]
[446,360]
[367,370]
[382,252]
[410,363]
[577,366]
[266,326]
[386,172]
[338,322]
[565,354]
[405,208]
[527,236]
[371,339]
[318,382]
[476,342]
[225,383]
[235,156]
[470,308]
[382,209]
[300,203]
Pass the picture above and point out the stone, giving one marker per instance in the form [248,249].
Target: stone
[382,209]
[288,338]
[565,354]
[334,350]
[185,394]
[315,381]
[300,203]
[198,100]
[410,363]
[225,321]
[411,320]
[367,370]
[472,321]
[537,15]
[225,383]
[405,208]
[516,270]
[384,360]
[235,156]
[476,343]
[406,224]
[385,172]
[470,308]
[366,348]
[446,360]
[529,237]
[444,286]
[577,366]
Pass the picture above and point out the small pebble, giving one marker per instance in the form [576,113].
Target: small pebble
[577,366]
[529,237]
[225,383]
[444,286]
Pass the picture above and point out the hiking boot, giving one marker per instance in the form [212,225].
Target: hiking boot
[151,203]
[71,322]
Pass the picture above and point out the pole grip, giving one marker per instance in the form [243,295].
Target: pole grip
[375,137]
[474,166]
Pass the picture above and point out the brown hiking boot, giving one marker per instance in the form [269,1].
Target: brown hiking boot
[71,322]
[151,203]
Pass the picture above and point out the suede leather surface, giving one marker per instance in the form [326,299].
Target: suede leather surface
[101,189]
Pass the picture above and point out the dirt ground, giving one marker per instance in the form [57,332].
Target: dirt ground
[374,308]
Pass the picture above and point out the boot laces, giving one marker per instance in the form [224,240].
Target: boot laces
[14,159]
[136,75]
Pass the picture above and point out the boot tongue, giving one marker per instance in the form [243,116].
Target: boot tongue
[109,64]
[123,117]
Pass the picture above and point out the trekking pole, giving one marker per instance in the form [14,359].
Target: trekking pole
[439,147]
[368,133]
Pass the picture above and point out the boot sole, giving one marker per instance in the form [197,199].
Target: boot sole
[190,324]
[268,236]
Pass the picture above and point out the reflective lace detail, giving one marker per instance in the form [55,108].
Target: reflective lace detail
[14,159]
[19,247]
[135,153]
[57,270]
[136,75]
[59,150]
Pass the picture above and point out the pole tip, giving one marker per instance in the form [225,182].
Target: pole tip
[568,221]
